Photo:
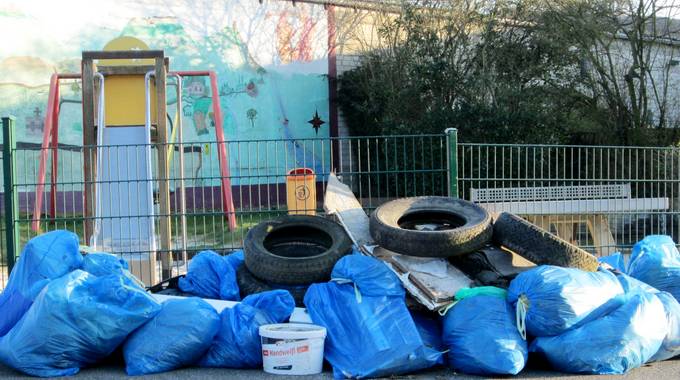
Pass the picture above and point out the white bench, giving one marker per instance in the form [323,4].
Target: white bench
[567,206]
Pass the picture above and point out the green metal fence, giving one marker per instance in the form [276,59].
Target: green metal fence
[376,168]
[9,238]
[601,198]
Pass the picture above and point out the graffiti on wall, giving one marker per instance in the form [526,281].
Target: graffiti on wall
[270,60]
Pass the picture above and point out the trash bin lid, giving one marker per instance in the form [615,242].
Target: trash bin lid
[300,173]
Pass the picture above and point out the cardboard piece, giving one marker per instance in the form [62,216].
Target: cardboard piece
[431,281]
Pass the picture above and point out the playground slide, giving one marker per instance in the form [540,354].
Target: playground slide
[124,210]
[123,195]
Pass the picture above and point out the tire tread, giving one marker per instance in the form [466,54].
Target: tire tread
[539,246]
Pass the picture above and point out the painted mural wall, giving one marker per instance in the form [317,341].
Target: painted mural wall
[271,61]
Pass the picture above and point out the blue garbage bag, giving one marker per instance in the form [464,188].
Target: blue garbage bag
[370,332]
[630,284]
[615,343]
[212,276]
[44,258]
[176,337]
[557,299]
[76,320]
[103,264]
[235,259]
[481,334]
[655,260]
[615,260]
[237,343]
[430,331]
[370,275]
[670,347]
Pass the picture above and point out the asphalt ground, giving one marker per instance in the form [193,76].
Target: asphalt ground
[657,371]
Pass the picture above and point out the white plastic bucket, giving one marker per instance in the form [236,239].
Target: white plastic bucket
[292,348]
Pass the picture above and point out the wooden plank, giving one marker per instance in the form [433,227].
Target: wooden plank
[122,54]
[143,270]
[603,239]
[541,221]
[568,219]
[583,206]
[125,70]
[89,141]
[434,276]
[130,69]
[163,172]
[566,231]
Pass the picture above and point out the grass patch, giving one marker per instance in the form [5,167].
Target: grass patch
[205,229]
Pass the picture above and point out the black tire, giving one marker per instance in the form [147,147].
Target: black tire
[249,284]
[538,245]
[295,249]
[462,226]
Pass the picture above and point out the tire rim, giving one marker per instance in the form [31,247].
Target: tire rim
[431,220]
[299,241]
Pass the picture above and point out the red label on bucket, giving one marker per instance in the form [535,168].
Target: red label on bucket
[302,349]
[287,352]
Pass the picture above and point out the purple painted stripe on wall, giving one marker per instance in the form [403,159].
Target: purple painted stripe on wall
[246,197]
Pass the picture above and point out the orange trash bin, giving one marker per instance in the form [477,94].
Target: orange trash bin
[301,191]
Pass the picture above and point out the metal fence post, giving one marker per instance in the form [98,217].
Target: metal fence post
[452,161]
[11,202]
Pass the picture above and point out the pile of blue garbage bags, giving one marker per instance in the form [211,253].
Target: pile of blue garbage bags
[605,322]
[63,311]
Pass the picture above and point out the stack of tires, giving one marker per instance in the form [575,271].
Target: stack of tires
[455,228]
[291,252]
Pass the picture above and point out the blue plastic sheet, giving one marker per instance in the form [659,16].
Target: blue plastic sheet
[655,260]
[615,343]
[75,321]
[370,333]
[670,347]
[557,299]
[237,344]
[44,258]
[176,337]
[212,276]
[482,337]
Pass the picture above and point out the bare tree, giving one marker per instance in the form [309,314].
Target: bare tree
[628,49]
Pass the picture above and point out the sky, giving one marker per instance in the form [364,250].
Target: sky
[673,10]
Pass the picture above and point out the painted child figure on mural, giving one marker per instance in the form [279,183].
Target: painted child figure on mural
[199,104]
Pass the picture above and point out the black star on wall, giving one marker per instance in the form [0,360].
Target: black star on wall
[316,122]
